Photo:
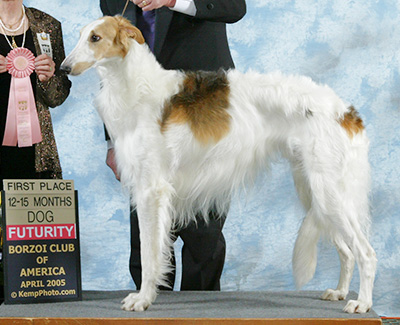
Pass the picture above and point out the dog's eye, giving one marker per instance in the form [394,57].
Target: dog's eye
[95,38]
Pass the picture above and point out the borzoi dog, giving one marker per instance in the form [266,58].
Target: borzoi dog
[185,141]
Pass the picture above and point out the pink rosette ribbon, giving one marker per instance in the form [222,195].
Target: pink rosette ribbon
[22,124]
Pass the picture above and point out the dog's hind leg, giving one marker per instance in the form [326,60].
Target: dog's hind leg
[338,216]
[340,209]
[366,260]
[353,246]
[155,245]
[347,263]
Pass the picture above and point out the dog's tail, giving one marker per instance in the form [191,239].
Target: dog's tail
[305,251]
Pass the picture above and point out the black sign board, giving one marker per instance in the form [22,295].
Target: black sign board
[41,251]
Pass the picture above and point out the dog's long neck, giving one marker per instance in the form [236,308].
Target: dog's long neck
[136,82]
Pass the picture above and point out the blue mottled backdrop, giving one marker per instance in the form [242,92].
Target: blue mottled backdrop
[353,46]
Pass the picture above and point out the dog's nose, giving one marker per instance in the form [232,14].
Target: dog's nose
[65,68]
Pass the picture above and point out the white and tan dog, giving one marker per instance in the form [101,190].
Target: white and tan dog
[186,141]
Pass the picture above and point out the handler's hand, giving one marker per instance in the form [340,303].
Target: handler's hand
[153,4]
[3,64]
[44,67]
[110,161]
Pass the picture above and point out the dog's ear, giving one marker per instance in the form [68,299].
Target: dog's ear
[127,30]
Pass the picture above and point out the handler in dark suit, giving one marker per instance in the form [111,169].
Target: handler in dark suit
[187,35]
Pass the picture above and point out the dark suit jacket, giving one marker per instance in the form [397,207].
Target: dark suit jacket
[185,42]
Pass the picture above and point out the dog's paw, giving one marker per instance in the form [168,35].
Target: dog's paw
[135,302]
[334,295]
[357,306]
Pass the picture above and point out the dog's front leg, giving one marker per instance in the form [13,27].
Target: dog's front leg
[155,245]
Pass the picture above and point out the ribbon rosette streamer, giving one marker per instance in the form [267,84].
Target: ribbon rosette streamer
[22,125]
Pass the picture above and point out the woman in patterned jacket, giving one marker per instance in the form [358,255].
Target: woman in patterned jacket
[40,33]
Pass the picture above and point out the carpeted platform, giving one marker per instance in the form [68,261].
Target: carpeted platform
[192,306]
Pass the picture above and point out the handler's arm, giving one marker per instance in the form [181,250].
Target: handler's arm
[226,11]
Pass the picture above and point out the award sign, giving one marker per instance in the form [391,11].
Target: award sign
[41,253]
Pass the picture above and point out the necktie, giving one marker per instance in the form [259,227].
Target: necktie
[146,23]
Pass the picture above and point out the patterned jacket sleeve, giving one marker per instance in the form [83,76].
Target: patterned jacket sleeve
[53,92]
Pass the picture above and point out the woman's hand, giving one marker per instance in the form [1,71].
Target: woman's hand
[3,64]
[44,67]
[110,161]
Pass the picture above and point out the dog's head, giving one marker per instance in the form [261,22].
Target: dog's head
[105,38]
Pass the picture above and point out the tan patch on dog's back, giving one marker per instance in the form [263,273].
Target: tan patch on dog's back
[202,103]
[352,122]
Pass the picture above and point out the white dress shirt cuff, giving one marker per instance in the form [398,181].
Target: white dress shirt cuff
[185,6]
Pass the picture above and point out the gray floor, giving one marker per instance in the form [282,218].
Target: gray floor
[106,304]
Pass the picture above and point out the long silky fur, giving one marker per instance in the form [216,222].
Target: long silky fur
[171,175]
